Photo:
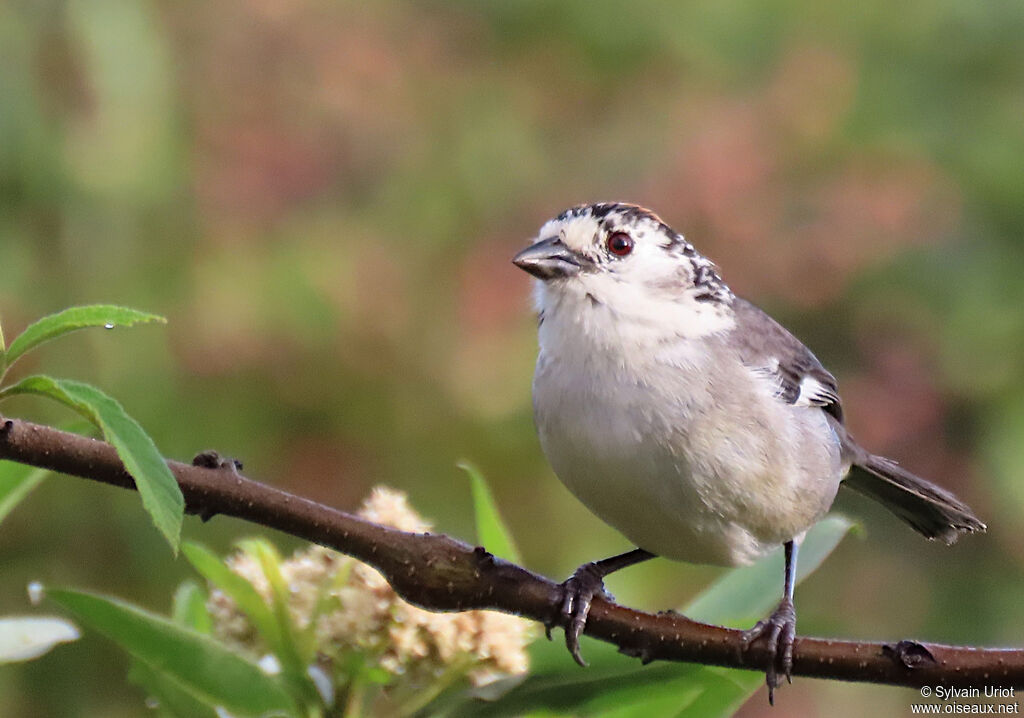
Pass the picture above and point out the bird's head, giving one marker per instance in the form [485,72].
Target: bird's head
[623,262]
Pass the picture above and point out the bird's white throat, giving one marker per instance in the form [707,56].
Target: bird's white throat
[600,311]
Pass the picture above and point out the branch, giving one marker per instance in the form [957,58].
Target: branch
[442,574]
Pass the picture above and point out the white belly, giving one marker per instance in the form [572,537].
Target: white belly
[683,476]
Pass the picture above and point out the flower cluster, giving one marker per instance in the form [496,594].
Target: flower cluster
[352,611]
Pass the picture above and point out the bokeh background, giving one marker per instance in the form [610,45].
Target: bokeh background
[323,197]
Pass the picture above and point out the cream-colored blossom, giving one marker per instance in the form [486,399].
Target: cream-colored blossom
[367,616]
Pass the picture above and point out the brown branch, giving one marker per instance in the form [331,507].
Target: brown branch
[442,574]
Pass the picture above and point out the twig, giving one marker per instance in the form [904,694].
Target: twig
[442,574]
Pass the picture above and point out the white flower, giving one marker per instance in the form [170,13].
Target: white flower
[366,616]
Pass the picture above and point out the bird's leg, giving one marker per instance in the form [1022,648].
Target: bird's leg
[779,629]
[578,592]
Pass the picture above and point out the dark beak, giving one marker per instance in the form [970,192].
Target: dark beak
[548,259]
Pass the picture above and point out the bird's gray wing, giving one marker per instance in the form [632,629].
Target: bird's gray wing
[767,346]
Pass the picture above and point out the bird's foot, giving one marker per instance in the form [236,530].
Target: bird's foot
[779,630]
[578,593]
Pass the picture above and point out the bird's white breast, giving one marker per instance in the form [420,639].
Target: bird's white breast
[661,440]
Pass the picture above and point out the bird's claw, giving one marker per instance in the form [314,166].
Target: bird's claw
[779,630]
[578,593]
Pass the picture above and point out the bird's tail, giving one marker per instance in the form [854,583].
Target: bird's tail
[932,511]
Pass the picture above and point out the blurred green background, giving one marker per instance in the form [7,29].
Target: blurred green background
[323,198]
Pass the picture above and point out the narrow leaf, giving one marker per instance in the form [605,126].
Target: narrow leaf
[491,531]
[17,482]
[69,320]
[744,595]
[189,607]
[269,560]
[238,589]
[577,692]
[725,690]
[22,639]
[293,655]
[169,698]
[203,667]
[160,493]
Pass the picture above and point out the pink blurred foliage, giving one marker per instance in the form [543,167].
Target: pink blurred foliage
[258,171]
[491,295]
[322,468]
[747,179]
[308,102]
[894,407]
[382,294]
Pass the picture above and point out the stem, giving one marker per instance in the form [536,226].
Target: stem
[356,695]
[411,705]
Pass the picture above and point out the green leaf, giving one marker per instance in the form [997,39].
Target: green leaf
[204,668]
[238,589]
[725,690]
[294,654]
[72,319]
[16,482]
[491,531]
[269,560]
[589,691]
[617,686]
[25,638]
[189,607]
[171,699]
[160,493]
[273,622]
[744,595]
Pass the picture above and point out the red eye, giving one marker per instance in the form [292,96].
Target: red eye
[620,244]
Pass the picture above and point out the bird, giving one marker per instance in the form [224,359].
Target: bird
[689,419]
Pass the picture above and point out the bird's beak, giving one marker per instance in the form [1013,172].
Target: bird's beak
[548,259]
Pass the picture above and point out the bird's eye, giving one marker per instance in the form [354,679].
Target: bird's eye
[620,244]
